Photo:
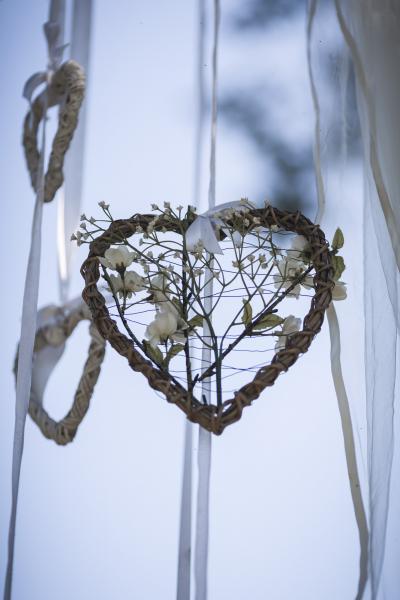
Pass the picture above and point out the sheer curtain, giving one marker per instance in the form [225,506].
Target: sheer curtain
[371,29]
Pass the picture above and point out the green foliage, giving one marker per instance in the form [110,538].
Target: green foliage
[247,312]
[339,266]
[196,321]
[173,351]
[268,322]
[153,352]
[338,240]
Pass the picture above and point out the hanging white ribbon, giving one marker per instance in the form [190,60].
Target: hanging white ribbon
[350,451]
[204,451]
[27,339]
[53,31]
[70,195]
[185,525]
[334,331]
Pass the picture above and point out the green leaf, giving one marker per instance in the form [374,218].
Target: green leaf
[338,239]
[247,312]
[153,352]
[339,266]
[196,321]
[268,322]
[173,351]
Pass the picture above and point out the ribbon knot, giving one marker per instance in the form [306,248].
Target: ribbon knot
[203,229]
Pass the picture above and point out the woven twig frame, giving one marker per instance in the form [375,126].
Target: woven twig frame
[67,88]
[212,417]
[63,432]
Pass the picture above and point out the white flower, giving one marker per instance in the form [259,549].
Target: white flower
[102,204]
[290,325]
[159,288]
[339,292]
[117,258]
[164,325]
[289,270]
[133,282]
[117,285]
[130,284]
[298,246]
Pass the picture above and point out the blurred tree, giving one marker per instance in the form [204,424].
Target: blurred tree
[290,181]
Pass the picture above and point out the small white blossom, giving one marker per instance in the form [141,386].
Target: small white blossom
[117,258]
[163,326]
[133,282]
[102,204]
[159,288]
[83,217]
[73,238]
[289,270]
[167,204]
[298,245]
[290,325]
[128,285]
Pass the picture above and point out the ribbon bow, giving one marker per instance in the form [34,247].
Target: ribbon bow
[53,31]
[202,230]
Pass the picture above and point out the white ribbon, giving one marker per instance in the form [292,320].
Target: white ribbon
[53,32]
[70,196]
[185,525]
[27,339]
[203,228]
[350,450]
[204,451]
[334,331]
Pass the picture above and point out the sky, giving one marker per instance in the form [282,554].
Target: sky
[99,518]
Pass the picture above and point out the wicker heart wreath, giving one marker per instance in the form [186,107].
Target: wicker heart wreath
[56,327]
[67,88]
[173,280]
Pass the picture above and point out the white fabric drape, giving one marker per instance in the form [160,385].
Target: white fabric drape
[371,29]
